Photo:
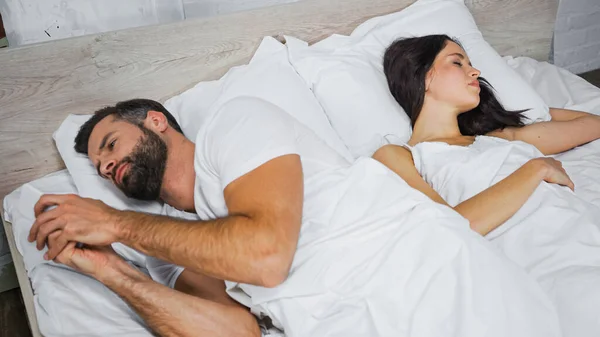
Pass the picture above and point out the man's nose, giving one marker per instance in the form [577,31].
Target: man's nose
[107,167]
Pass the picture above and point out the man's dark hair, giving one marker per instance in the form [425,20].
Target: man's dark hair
[133,111]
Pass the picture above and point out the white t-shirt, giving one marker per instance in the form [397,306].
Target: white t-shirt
[248,132]
[244,134]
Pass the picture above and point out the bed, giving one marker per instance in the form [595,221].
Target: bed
[41,84]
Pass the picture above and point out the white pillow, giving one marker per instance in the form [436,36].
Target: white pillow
[558,87]
[268,76]
[346,73]
[18,208]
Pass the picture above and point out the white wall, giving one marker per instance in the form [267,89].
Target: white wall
[32,21]
[577,35]
[205,8]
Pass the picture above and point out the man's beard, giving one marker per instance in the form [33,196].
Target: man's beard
[147,163]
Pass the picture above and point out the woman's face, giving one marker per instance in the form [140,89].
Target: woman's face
[452,80]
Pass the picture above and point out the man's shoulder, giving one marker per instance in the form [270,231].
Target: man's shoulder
[244,106]
[241,120]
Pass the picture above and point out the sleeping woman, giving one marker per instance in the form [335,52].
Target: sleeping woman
[468,152]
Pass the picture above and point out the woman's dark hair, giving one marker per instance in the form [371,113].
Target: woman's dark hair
[406,64]
[133,111]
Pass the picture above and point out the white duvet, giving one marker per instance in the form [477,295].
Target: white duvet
[555,235]
[391,262]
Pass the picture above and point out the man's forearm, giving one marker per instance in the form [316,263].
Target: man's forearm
[172,313]
[227,248]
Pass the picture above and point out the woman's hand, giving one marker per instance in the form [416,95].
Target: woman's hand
[552,171]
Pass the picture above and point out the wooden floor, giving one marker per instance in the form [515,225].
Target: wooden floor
[593,77]
[13,320]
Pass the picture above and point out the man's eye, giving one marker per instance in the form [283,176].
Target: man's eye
[112,144]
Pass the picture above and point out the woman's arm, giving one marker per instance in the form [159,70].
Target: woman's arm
[490,208]
[566,130]
[563,115]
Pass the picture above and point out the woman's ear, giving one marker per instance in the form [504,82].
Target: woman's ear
[429,78]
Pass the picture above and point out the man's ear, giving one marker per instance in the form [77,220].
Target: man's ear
[156,121]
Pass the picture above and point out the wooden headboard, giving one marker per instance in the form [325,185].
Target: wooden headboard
[41,84]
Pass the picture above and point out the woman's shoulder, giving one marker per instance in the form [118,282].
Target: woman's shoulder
[392,150]
[462,141]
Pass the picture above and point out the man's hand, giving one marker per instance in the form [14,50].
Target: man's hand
[74,219]
[99,262]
